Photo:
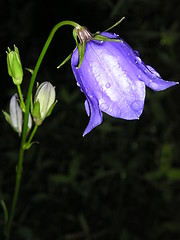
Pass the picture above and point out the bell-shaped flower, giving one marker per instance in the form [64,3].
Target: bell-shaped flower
[44,102]
[113,78]
[14,65]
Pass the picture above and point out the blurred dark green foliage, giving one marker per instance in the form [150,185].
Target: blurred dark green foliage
[120,182]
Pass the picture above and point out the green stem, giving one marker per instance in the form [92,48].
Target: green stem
[31,137]
[25,126]
[22,104]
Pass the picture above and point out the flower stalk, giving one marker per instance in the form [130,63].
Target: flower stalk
[25,125]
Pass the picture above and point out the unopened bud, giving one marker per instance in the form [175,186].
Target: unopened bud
[44,102]
[14,65]
[15,114]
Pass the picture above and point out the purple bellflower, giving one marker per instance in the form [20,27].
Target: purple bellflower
[113,78]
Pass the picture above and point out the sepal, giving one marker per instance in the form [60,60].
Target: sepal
[36,114]
[99,37]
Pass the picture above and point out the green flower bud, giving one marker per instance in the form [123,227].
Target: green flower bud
[44,102]
[14,65]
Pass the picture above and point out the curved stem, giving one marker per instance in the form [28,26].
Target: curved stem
[25,126]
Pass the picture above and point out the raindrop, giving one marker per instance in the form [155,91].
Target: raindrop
[107,85]
[104,106]
[116,35]
[78,84]
[137,105]
[137,60]
[154,86]
[136,53]
[101,41]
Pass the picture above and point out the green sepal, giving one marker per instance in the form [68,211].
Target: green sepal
[81,51]
[36,114]
[50,109]
[26,146]
[99,37]
[30,70]
[75,36]
[8,118]
[65,60]
[81,48]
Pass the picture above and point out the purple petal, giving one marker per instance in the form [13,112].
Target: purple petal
[145,73]
[118,90]
[91,104]
[154,81]
[113,77]
[96,116]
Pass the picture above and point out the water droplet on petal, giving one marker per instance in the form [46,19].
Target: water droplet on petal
[138,60]
[154,86]
[136,53]
[101,41]
[116,35]
[104,106]
[137,105]
[78,84]
[107,85]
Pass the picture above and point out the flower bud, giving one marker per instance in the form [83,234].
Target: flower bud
[44,102]
[14,65]
[15,114]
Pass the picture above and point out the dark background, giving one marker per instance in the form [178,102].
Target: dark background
[121,181]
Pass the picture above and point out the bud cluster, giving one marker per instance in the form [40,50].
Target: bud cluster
[42,104]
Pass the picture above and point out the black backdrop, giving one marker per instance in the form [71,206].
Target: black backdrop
[122,180]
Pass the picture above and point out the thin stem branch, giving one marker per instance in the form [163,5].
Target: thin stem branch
[32,135]
[25,126]
[22,104]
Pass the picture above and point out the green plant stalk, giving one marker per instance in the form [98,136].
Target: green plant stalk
[22,104]
[25,125]
[31,136]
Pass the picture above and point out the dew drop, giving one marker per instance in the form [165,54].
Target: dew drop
[137,60]
[137,105]
[107,85]
[154,86]
[116,35]
[104,106]
[78,84]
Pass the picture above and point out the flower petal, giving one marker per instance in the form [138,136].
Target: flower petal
[154,81]
[119,91]
[91,103]
[145,73]
[96,116]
